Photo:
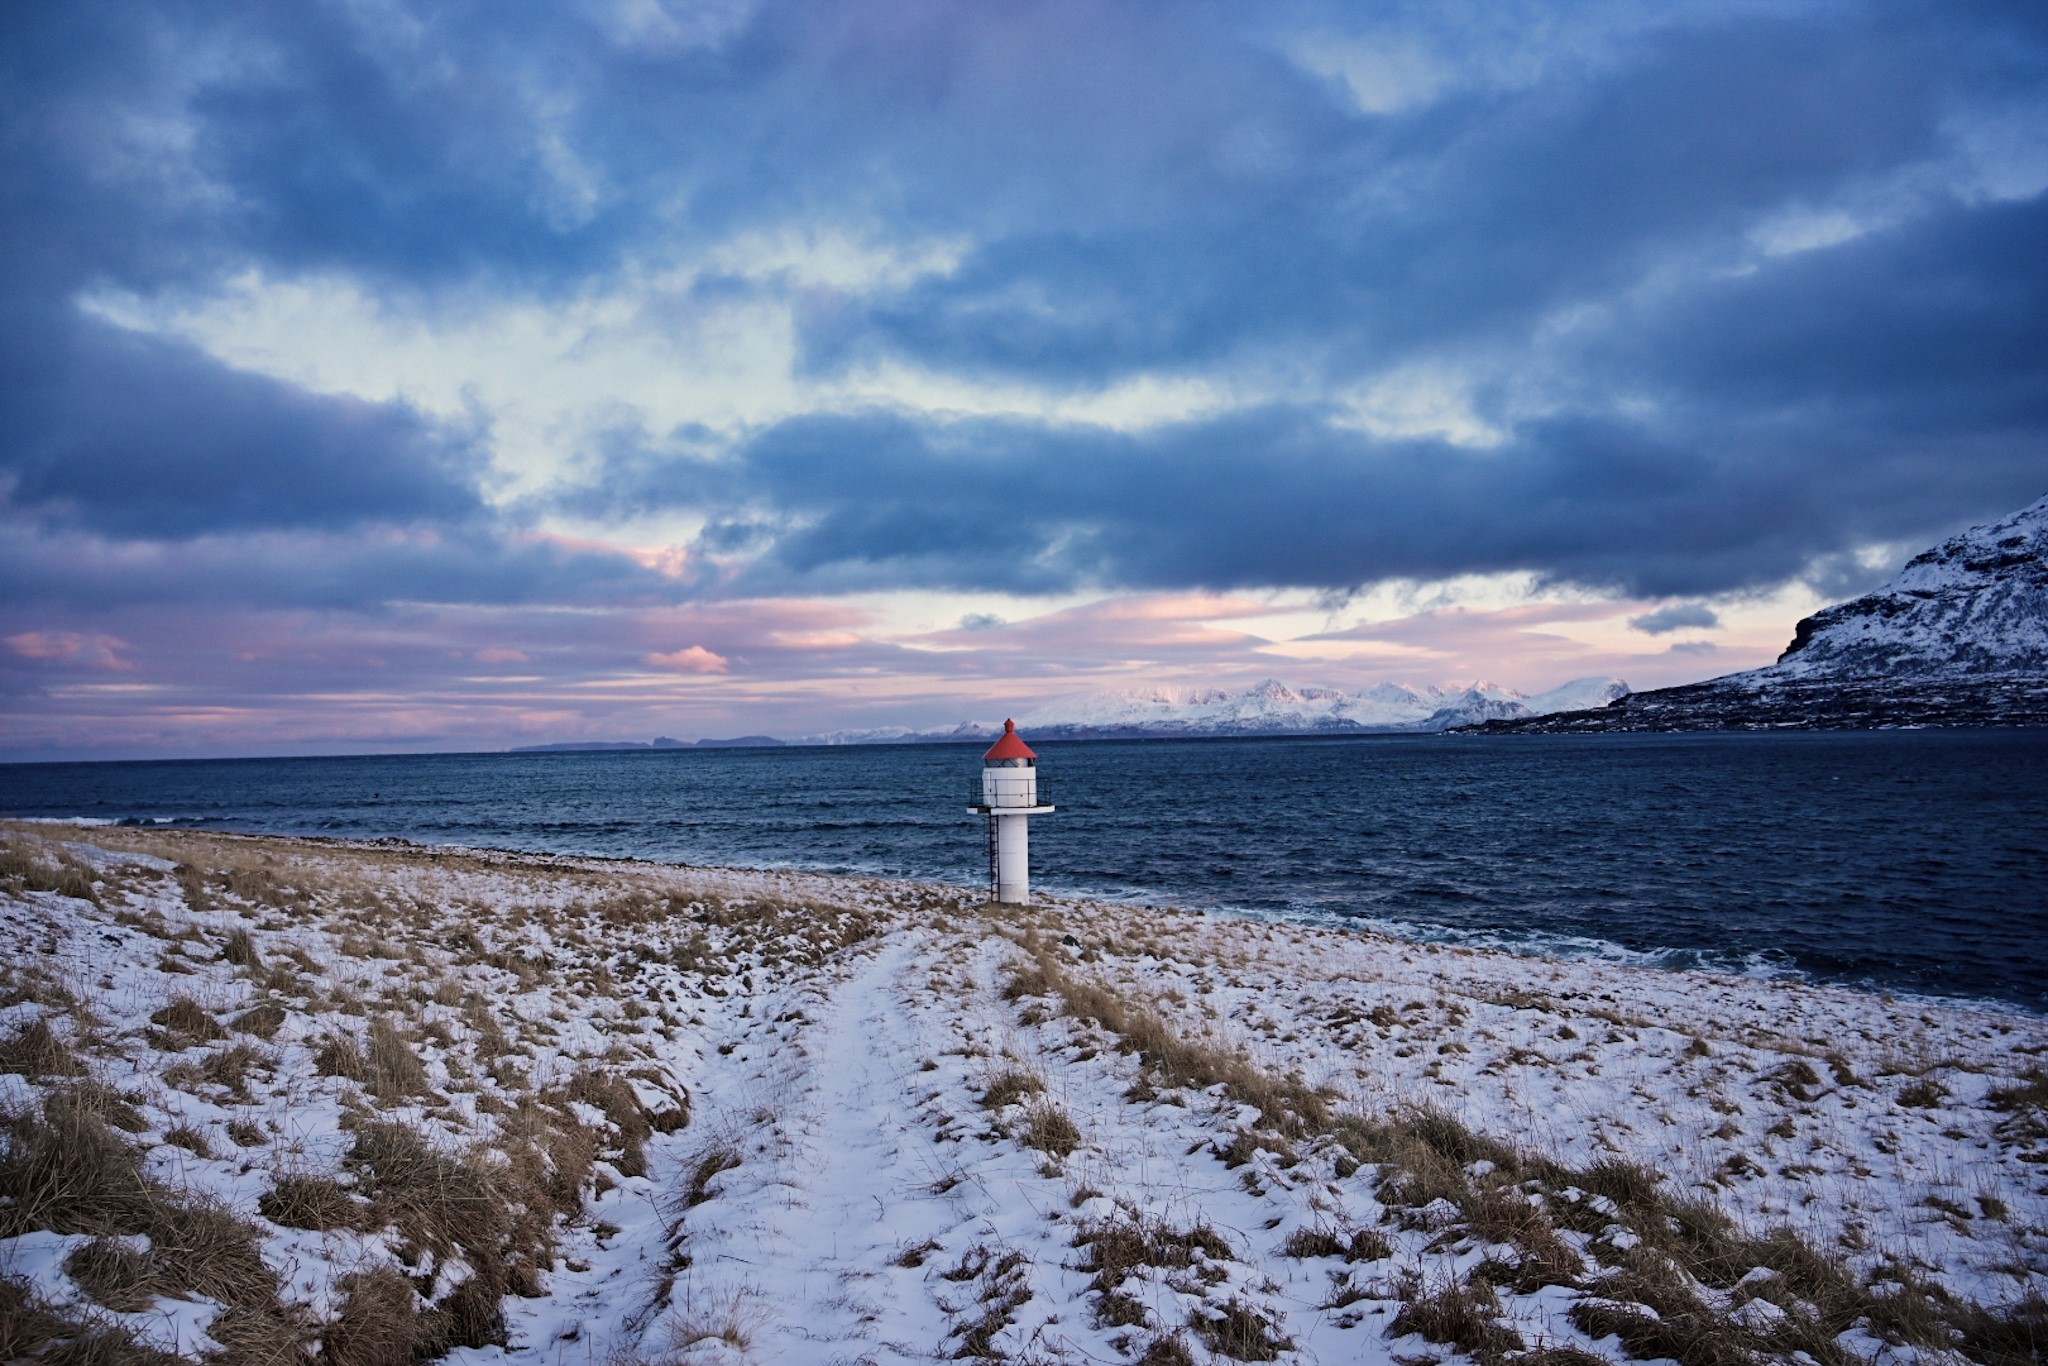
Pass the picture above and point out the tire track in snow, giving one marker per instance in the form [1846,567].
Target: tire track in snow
[794,1254]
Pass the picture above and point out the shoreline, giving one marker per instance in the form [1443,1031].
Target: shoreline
[903,1065]
[1559,948]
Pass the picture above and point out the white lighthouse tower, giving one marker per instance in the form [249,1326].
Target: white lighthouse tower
[1009,798]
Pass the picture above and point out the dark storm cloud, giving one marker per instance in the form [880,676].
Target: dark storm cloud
[1714,418]
[138,437]
[1363,240]
[1737,477]
[350,569]
[135,436]
[1679,616]
[1275,497]
[1140,189]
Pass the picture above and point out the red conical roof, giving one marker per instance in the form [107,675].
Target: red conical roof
[1009,747]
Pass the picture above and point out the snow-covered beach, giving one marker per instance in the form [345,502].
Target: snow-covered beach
[264,1093]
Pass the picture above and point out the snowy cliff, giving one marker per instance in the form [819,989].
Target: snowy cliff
[1958,637]
[1976,604]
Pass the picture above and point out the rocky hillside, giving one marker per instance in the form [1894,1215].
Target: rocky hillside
[1958,637]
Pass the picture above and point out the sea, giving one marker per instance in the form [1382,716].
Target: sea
[1913,863]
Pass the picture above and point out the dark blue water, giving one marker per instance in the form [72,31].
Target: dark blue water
[1908,861]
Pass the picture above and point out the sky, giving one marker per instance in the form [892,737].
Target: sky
[384,376]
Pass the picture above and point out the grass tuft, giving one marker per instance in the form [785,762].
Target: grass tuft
[720,1157]
[1049,1130]
[187,1022]
[37,1051]
[318,1203]
[1458,1314]
[1240,1332]
[1010,1086]
[114,1275]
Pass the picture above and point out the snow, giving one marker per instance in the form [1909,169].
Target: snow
[1959,637]
[1975,604]
[1272,707]
[843,1191]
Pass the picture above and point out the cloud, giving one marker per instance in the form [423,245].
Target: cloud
[693,659]
[698,324]
[98,651]
[1677,617]
[351,569]
[139,437]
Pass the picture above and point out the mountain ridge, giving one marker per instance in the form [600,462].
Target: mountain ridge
[1959,636]
[1268,707]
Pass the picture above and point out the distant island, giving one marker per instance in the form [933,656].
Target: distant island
[658,742]
[1958,638]
[1267,708]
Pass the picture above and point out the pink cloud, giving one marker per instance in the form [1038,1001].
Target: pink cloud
[1113,631]
[1509,645]
[693,660]
[97,651]
[225,680]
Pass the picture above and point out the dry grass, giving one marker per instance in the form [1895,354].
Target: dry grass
[66,1171]
[1010,1086]
[1048,1129]
[1423,1155]
[1000,1288]
[492,1211]
[1356,1245]
[455,1206]
[388,1068]
[36,866]
[721,1156]
[1458,1314]
[319,1203]
[1126,1244]
[341,1056]
[263,1021]
[185,1022]
[1239,1331]
[380,1322]
[1286,1104]
[1168,1350]
[2025,1107]
[240,950]
[621,1105]
[37,1051]
[33,1331]
[393,1071]
[114,1275]
[190,1139]
[728,1317]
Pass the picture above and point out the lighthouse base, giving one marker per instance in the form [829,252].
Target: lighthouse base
[1013,859]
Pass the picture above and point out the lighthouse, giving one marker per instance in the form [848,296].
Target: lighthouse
[1009,798]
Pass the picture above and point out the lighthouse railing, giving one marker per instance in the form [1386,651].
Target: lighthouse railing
[980,802]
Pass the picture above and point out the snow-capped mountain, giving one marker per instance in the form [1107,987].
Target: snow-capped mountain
[1958,637]
[1268,708]
[1976,604]
[1274,708]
